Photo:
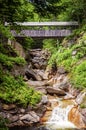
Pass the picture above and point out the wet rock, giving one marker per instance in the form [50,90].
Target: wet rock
[46,116]
[31,117]
[81,98]
[40,109]
[76,118]
[69,96]
[83,113]
[52,90]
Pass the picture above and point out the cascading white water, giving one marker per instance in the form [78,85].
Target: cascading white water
[59,118]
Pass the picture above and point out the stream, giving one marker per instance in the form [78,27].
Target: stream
[58,120]
[59,116]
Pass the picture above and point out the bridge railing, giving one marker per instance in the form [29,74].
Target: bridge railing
[31,24]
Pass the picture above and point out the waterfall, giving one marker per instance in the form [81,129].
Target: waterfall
[59,118]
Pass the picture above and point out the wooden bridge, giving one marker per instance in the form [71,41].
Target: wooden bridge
[49,33]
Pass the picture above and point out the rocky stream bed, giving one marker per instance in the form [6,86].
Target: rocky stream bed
[55,86]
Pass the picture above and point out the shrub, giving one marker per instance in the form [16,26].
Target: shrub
[16,91]
[10,61]
[79,75]
[50,44]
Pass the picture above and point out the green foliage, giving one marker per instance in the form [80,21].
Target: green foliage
[72,10]
[5,32]
[12,11]
[72,59]
[79,75]
[52,60]
[14,88]
[27,43]
[10,61]
[50,44]
[30,43]
[64,56]
[16,91]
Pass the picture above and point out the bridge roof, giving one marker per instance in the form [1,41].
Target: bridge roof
[73,23]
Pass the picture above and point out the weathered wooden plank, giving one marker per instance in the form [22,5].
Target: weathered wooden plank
[73,23]
[42,33]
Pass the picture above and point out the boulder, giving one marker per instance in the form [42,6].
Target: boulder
[40,109]
[63,86]
[31,74]
[36,83]
[41,73]
[41,89]
[30,117]
[53,90]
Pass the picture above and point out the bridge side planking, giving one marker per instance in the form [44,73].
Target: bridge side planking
[42,33]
